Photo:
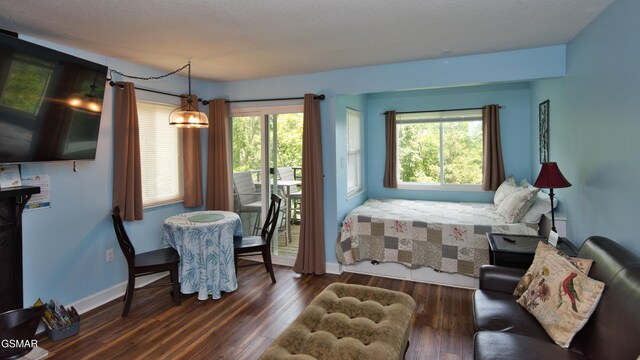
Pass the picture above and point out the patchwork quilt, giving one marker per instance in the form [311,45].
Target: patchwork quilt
[445,236]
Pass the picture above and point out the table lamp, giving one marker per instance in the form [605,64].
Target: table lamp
[550,177]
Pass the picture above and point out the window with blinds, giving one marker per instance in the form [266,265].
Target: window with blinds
[354,152]
[160,155]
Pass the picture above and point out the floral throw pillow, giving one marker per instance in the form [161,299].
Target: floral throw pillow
[516,204]
[507,187]
[561,298]
[542,250]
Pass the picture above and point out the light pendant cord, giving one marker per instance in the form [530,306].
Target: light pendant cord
[188,65]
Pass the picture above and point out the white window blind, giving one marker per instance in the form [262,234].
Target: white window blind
[160,155]
[354,151]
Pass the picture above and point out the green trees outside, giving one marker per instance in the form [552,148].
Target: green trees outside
[289,139]
[419,152]
[246,141]
[418,143]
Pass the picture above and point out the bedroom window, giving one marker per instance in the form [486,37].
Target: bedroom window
[440,148]
[160,155]
[354,152]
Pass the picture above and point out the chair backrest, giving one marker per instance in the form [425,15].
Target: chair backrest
[244,189]
[271,222]
[125,244]
[286,173]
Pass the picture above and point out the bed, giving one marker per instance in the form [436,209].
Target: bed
[446,236]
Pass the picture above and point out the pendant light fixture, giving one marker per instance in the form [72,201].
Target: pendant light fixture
[188,116]
[184,116]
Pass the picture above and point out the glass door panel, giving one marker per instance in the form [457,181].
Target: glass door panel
[247,153]
[288,148]
[267,145]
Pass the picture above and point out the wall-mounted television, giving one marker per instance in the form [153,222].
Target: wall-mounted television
[50,103]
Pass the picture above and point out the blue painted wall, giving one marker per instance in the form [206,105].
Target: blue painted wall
[595,127]
[515,128]
[64,246]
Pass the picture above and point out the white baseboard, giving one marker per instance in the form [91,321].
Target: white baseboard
[117,291]
[334,268]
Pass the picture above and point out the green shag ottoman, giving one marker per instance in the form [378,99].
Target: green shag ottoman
[348,322]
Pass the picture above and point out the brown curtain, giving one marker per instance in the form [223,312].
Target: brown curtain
[192,158]
[492,165]
[127,182]
[310,259]
[390,172]
[219,191]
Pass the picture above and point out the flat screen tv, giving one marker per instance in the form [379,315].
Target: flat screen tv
[50,103]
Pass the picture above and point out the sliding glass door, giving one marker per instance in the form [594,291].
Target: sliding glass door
[267,158]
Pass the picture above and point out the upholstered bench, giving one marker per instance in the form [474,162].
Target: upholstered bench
[348,322]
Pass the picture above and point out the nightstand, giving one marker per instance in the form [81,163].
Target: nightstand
[518,250]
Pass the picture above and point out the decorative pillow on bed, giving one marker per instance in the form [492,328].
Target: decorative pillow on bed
[507,187]
[516,204]
[541,206]
[542,251]
[561,298]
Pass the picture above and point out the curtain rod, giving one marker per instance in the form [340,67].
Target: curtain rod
[320,97]
[113,83]
[443,110]
[206,102]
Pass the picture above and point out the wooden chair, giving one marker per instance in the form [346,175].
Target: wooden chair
[151,262]
[255,245]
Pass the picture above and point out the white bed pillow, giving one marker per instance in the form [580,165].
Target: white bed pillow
[507,187]
[541,206]
[517,203]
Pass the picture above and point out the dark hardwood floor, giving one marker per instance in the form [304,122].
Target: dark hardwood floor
[243,323]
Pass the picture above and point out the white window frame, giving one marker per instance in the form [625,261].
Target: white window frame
[353,115]
[412,118]
[267,148]
[173,163]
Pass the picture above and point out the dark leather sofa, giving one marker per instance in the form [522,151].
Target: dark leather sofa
[505,330]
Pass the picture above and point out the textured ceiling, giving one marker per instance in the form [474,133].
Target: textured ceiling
[247,39]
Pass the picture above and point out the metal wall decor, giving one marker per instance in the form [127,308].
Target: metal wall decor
[543,118]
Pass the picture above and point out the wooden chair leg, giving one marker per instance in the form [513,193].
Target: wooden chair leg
[128,297]
[266,258]
[176,285]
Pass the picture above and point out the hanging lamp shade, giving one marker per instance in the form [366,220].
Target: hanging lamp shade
[188,117]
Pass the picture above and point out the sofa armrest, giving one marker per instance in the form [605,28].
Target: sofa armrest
[500,278]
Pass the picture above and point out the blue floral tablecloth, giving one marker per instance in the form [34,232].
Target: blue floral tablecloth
[204,240]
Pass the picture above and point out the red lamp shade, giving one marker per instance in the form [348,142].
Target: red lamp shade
[550,177]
